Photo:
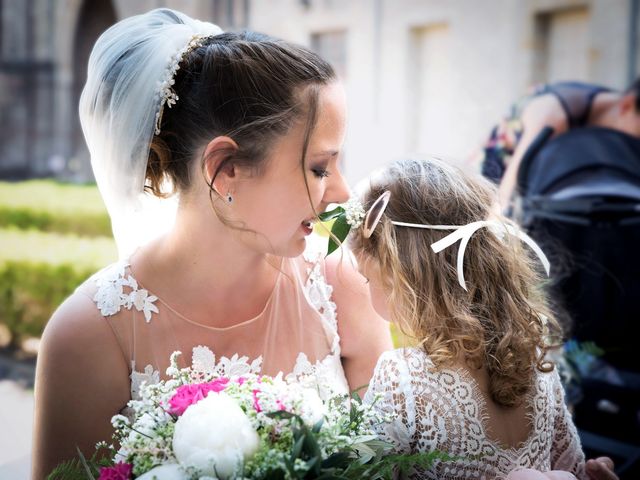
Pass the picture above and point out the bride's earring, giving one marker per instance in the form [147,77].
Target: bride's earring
[229,198]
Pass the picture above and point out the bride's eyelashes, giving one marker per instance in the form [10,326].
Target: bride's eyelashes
[320,172]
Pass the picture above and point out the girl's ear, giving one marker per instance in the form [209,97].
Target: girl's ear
[219,170]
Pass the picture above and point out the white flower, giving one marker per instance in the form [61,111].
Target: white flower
[313,408]
[215,437]
[354,212]
[120,421]
[168,471]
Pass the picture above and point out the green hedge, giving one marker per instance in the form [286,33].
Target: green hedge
[30,292]
[87,225]
[39,270]
[51,206]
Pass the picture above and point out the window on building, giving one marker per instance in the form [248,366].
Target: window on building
[332,46]
[562,45]
[430,94]
[231,14]
[26,86]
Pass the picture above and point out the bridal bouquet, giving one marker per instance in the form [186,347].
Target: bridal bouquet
[199,427]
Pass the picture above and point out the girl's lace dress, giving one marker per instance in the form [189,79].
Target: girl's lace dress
[444,409]
[296,333]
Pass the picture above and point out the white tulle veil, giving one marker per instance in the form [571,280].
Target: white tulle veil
[118,110]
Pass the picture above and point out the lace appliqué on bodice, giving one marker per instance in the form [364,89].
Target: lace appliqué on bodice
[326,375]
[443,409]
[111,297]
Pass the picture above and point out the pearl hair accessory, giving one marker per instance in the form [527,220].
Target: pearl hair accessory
[166,93]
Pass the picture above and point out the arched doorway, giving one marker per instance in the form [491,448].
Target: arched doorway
[94,18]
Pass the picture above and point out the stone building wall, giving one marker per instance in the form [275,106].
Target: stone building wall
[44,50]
[433,76]
[427,76]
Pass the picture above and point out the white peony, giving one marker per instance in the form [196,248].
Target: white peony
[214,436]
[313,408]
[169,471]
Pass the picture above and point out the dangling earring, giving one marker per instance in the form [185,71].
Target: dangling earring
[229,198]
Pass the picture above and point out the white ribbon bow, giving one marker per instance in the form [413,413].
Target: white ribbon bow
[465,232]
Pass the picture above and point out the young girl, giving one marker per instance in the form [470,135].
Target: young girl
[477,385]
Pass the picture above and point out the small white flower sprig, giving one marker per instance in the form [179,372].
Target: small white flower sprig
[165,91]
[345,217]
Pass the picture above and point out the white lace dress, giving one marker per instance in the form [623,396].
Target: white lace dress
[296,333]
[443,409]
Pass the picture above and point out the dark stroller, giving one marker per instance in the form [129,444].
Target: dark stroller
[580,199]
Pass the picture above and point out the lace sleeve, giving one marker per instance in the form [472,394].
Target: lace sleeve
[390,393]
[566,451]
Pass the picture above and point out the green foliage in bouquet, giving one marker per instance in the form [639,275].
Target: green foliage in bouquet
[368,459]
[82,468]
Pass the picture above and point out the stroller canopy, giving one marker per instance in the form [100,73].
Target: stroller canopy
[590,161]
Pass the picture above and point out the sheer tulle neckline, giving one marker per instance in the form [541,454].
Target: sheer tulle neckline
[243,323]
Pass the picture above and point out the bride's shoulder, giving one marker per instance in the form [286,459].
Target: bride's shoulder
[110,275]
[79,352]
[78,326]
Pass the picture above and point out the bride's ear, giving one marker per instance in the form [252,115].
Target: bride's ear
[218,166]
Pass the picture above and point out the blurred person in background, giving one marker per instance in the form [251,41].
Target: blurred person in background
[561,106]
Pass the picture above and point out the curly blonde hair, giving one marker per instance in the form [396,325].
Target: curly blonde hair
[503,322]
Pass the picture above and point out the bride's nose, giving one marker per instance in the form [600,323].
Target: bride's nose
[337,191]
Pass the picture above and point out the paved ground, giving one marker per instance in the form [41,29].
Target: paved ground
[16,417]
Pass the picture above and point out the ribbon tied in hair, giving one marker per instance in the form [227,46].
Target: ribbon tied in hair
[460,232]
[465,232]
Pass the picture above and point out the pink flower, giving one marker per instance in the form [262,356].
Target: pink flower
[256,405]
[187,395]
[119,471]
[218,385]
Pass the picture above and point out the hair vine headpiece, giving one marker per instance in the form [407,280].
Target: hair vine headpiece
[130,80]
[371,218]
[166,93]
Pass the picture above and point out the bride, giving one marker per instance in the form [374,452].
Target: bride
[246,130]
